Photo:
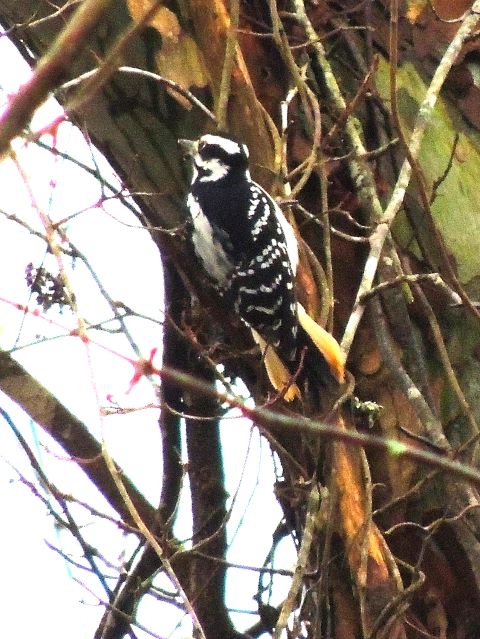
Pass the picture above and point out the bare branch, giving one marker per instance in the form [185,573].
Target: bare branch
[51,70]
[70,433]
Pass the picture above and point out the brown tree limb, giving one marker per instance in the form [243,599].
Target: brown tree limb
[127,593]
[368,556]
[51,70]
[429,421]
[313,505]
[68,431]
[209,514]
[267,419]
[246,117]
[378,237]
[69,522]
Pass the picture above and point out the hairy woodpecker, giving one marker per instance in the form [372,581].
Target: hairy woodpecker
[250,252]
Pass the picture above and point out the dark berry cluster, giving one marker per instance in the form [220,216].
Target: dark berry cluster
[49,289]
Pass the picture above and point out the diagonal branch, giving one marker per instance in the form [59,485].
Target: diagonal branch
[378,237]
[51,70]
[72,434]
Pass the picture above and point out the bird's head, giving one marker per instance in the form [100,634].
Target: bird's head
[216,157]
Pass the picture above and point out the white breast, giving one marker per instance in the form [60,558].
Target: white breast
[207,247]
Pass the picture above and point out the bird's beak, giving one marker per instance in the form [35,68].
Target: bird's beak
[189,147]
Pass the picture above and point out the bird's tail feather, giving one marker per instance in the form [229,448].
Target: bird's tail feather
[279,375]
[319,356]
[325,343]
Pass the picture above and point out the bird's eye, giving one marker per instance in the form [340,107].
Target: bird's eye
[201,145]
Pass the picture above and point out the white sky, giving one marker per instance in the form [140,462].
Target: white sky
[40,594]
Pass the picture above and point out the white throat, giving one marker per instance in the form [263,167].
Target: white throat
[214,170]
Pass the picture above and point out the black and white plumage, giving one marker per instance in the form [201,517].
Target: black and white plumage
[247,247]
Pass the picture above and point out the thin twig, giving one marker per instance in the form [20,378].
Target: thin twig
[439,181]
[425,111]
[362,579]
[302,561]
[127,618]
[228,62]
[150,76]
[71,525]
[50,70]
[151,539]
[313,157]
[283,46]
[429,421]
[447,366]
[352,105]
[267,419]
[395,606]
[90,89]
[311,218]
[30,24]
[327,241]
[414,278]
